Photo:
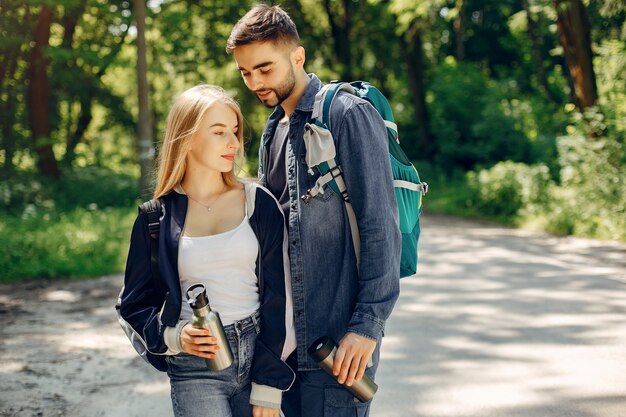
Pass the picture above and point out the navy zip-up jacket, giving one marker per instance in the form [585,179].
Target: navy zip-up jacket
[146,306]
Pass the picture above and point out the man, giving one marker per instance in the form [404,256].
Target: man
[332,295]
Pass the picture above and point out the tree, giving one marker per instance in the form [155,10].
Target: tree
[146,148]
[535,42]
[575,36]
[340,26]
[414,56]
[460,23]
[39,96]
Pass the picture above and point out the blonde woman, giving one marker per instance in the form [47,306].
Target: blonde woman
[227,235]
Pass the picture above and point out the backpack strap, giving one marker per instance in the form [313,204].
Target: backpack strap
[421,187]
[152,209]
[330,170]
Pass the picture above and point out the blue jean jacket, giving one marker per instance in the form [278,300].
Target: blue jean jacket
[330,296]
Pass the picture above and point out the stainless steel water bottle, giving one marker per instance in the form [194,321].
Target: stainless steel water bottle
[205,318]
[323,352]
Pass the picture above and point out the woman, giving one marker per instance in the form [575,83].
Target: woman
[227,235]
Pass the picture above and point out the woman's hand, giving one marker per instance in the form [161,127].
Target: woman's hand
[198,342]
[260,411]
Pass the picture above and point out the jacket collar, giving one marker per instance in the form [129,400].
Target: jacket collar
[308,98]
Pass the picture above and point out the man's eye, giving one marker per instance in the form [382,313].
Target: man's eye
[265,71]
[245,74]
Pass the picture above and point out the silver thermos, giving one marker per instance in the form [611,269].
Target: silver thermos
[205,318]
[323,352]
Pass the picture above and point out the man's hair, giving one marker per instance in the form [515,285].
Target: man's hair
[263,23]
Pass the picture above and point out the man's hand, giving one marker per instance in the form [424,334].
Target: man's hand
[260,411]
[353,353]
[198,342]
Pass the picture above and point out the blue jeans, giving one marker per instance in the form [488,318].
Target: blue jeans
[198,392]
[317,394]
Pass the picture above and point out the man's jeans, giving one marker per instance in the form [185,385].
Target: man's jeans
[198,392]
[317,394]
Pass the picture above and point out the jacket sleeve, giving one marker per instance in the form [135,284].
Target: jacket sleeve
[142,296]
[276,341]
[363,153]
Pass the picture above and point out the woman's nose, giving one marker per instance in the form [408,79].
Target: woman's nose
[234,141]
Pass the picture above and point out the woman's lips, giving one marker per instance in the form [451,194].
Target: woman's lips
[229,157]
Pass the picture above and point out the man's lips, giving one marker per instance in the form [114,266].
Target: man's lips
[263,93]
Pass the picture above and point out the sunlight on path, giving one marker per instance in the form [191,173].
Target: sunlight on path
[502,322]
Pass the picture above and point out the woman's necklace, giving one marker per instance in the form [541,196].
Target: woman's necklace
[209,206]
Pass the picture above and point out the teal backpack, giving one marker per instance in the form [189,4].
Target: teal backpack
[321,154]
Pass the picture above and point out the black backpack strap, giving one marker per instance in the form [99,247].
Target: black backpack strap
[152,209]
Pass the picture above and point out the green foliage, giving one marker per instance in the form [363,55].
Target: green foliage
[75,227]
[591,198]
[27,195]
[486,103]
[477,121]
[510,190]
[80,243]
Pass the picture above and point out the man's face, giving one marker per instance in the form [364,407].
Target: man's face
[267,71]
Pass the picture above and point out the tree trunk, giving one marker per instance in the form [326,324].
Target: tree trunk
[459,30]
[341,38]
[8,111]
[146,148]
[39,97]
[82,124]
[575,36]
[69,23]
[535,42]
[413,47]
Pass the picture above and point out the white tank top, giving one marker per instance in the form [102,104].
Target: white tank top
[225,264]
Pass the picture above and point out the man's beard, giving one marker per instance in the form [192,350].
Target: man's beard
[282,92]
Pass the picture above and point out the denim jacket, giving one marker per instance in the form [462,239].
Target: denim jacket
[331,296]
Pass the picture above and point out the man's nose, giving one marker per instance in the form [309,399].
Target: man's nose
[255,83]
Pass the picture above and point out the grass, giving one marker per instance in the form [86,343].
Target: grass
[79,243]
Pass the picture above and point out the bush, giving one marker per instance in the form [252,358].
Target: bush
[479,122]
[80,243]
[510,191]
[26,194]
[78,226]
[591,198]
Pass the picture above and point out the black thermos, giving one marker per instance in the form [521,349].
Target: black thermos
[323,352]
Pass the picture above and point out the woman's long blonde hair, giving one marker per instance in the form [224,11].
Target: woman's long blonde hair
[182,122]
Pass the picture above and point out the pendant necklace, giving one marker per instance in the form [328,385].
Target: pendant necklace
[209,206]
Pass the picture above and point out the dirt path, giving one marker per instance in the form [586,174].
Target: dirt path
[499,323]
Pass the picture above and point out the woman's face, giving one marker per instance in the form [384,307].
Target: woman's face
[215,144]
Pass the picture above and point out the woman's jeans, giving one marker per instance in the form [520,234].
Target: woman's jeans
[198,392]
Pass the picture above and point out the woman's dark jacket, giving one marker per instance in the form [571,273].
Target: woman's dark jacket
[147,306]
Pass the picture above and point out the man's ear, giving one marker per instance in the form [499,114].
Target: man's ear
[298,56]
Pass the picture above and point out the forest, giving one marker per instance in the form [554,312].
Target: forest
[513,111]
